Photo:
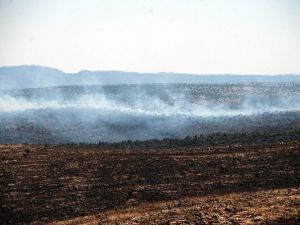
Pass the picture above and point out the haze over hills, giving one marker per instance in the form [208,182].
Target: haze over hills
[32,76]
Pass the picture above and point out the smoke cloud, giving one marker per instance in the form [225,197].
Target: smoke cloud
[136,112]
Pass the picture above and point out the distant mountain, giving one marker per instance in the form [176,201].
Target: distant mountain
[28,76]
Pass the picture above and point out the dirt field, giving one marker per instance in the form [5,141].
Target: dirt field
[257,184]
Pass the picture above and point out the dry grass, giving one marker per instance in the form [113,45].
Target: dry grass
[242,208]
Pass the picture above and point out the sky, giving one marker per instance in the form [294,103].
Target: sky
[185,36]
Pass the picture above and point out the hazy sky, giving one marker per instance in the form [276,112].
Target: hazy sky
[193,36]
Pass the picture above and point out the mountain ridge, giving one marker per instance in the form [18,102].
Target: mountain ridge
[32,76]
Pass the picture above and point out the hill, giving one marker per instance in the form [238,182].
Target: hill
[31,76]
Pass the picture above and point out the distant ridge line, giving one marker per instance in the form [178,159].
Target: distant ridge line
[34,76]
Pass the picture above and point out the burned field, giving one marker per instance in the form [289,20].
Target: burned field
[115,113]
[255,184]
[151,154]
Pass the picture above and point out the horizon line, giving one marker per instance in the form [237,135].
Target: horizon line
[161,72]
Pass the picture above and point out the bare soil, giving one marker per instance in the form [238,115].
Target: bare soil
[243,184]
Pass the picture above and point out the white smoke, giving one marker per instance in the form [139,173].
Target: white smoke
[149,105]
[116,113]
